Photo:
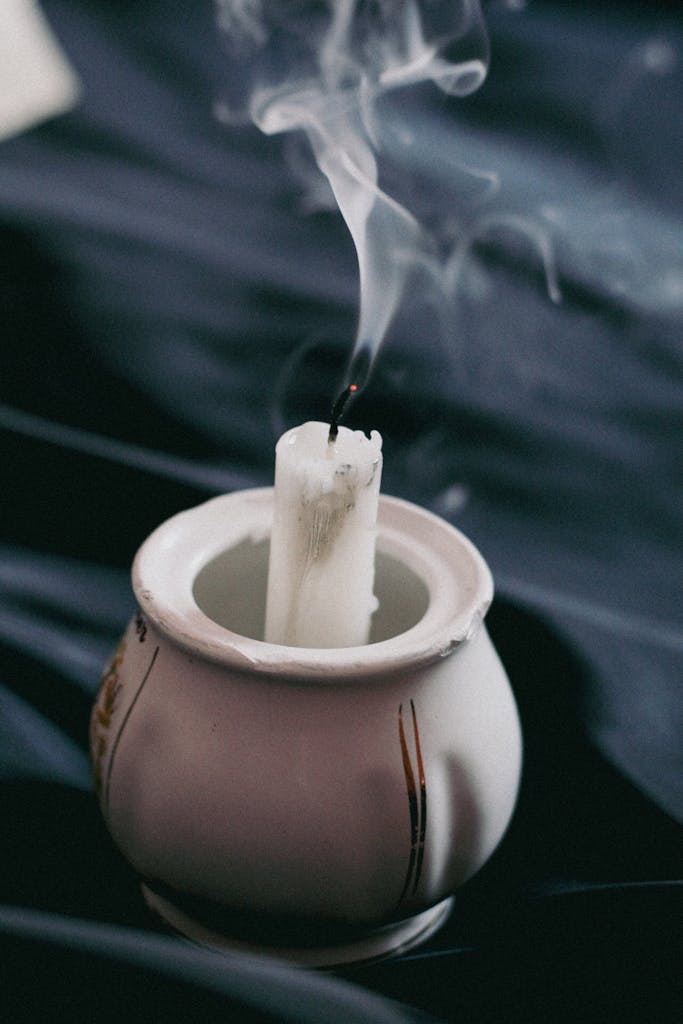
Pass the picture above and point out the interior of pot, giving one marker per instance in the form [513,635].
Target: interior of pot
[231,590]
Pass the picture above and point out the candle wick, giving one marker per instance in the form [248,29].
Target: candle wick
[338,411]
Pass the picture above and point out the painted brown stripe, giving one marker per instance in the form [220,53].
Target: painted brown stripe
[423,800]
[412,802]
[123,726]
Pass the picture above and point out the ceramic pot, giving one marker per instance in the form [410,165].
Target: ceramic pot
[322,804]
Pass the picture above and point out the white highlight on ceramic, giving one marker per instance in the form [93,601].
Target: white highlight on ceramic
[322,552]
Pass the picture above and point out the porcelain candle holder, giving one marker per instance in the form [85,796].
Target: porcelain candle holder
[319,804]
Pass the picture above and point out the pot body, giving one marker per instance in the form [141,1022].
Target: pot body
[357,786]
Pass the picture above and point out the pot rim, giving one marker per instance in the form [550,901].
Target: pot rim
[457,578]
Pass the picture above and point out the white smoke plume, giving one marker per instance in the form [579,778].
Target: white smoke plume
[323,68]
[350,77]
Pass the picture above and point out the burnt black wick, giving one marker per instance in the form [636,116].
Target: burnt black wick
[338,411]
[358,372]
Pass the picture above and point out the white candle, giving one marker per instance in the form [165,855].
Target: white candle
[322,549]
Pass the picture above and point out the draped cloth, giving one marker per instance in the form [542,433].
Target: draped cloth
[170,302]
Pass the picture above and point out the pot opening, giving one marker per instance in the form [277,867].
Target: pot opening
[231,590]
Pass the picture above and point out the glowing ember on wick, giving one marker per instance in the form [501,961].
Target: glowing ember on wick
[360,368]
[338,411]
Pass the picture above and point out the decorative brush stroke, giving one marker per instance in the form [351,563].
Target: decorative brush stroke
[418,807]
[100,722]
[127,715]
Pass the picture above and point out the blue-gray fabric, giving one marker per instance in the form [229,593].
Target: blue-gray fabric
[168,306]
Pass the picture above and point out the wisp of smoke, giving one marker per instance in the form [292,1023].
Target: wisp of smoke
[322,68]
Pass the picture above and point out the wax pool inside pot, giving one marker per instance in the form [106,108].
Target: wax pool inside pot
[231,590]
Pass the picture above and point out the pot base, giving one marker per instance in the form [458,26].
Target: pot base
[368,944]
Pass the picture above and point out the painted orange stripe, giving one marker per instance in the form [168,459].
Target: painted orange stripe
[423,799]
[412,801]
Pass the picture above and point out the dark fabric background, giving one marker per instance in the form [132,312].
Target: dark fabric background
[167,307]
